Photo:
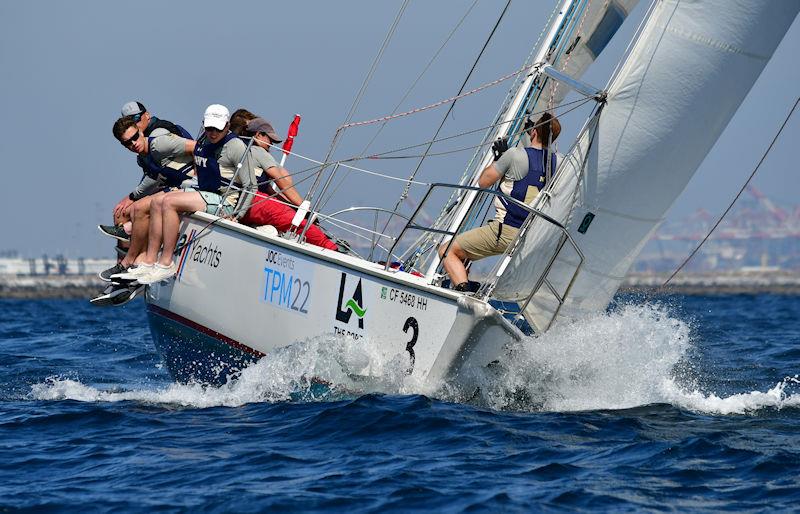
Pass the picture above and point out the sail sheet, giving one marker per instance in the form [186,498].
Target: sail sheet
[683,80]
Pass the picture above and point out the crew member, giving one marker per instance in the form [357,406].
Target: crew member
[521,172]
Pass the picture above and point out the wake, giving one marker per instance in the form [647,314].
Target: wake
[634,356]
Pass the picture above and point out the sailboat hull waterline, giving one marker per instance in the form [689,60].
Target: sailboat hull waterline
[240,294]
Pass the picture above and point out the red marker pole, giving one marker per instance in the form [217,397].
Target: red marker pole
[287,145]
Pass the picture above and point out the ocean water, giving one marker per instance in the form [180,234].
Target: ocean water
[677,403]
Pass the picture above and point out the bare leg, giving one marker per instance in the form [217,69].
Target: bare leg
[172,205]
[140,214]
[154,230]
[454,262]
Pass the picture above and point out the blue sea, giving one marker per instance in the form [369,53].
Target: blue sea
[673,403]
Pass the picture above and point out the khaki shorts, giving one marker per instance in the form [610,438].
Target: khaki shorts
[483,241]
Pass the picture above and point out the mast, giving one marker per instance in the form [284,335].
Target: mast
[587,28]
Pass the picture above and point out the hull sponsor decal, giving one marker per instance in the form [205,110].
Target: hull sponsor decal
[287,282]
[349,305]
[187,250]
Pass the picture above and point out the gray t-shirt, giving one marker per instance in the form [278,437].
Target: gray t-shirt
[168,150]
[262,161]
[229,157]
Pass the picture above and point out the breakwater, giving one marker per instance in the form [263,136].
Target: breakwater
[729,282]
[50,286]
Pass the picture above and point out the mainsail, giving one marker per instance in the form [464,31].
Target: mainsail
[683,80]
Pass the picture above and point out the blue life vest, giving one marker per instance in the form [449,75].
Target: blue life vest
[209,177]
[151,168]
[516,215]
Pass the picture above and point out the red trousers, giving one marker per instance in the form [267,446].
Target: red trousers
[266,211]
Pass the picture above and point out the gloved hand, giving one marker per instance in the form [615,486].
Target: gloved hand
[499,147]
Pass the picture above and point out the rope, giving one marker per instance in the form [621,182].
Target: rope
[788,116]
[360,94]
[407,187]
[582,102]
[441,102]
[422,74]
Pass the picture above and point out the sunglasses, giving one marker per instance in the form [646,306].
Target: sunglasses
[138,117]
[212,130]
[128,142]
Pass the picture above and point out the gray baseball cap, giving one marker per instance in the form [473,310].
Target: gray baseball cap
[262,125]
[133,108]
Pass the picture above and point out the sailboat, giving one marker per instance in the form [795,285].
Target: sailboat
[242,292]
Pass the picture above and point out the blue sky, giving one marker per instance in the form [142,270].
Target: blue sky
[67,67]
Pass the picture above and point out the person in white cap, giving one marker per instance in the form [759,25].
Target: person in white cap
[217,157]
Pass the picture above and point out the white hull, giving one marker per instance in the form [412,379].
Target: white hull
[239,294]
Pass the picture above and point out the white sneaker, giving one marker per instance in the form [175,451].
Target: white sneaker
[134,272]
[157,273]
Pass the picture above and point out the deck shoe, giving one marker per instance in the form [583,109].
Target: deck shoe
[105,275]
[133,273]
[115,231]
[122,299]
[110,295]
[158,273]
[467,287]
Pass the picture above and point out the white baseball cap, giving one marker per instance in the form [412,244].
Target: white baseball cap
[216,116]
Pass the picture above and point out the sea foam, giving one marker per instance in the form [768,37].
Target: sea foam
[633,356]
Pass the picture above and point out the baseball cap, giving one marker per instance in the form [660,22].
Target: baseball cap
[133,108]
[216,116]
[262,125]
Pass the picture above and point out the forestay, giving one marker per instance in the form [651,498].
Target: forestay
[685,77]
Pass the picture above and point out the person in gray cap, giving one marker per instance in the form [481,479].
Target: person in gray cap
[272,178]
[266,209]
[152,175]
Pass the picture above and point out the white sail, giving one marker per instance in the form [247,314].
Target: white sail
[682,82]
[597,24]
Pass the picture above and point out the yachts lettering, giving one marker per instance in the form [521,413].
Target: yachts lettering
[353,304]
[404,298]
[210,255]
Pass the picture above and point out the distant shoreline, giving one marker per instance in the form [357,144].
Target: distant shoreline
[750,281]
[60,287]
[779,282]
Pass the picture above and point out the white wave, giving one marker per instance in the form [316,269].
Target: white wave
[775,398]
[637,355]
[612,360]
[283,375]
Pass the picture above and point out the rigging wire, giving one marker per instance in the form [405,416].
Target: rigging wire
[582,102]
[747,182]
[361,92]
[421,74]
[466,133]
[407,188]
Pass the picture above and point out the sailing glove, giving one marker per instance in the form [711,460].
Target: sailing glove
[499,147]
